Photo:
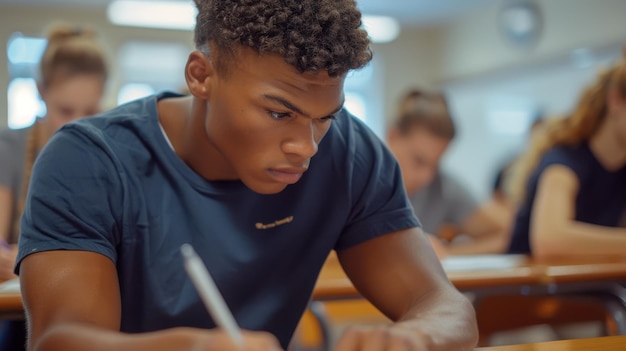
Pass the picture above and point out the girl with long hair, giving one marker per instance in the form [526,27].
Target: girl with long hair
[571,183]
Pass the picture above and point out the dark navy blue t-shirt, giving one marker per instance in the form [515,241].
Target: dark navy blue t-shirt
[601,197]
[112,184]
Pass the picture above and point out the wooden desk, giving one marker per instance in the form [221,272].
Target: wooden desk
[11,306]
[585,269]
[600,278]
[607,343]
[469,274]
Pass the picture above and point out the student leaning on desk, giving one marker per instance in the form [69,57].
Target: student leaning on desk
[572,181]
[421,133]
[262,171]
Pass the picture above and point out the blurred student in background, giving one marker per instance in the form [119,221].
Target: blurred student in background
[73,72]
[571,184]
[419,139]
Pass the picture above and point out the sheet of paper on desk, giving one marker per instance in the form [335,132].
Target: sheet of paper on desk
[481,262]
[10,286]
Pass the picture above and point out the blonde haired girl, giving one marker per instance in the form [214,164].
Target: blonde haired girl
[571,184]
[71,82]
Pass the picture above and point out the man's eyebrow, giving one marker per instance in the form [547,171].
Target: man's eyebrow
[338,108]
[295,108]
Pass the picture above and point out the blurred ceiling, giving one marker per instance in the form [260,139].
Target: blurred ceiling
[409,12]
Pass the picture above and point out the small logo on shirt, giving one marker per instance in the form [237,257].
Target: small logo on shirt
[274,224]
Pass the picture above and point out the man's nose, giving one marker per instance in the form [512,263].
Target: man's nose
[303,142]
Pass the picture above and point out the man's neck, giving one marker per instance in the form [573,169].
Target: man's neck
[184,123]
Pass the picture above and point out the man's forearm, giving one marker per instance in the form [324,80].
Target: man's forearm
[447,317]
[76,337]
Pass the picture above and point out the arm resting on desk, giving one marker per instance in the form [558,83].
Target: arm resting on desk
[486,234]
[72,303]
[554,230]
[400,274]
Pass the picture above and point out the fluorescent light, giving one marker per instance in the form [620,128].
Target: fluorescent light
[182,15]
[381,29]
[153,14]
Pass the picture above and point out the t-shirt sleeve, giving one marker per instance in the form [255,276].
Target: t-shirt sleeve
[379,202]
[460,200]
[563,157]
[74,198]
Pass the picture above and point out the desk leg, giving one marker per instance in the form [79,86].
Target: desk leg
[617,311]
[614,300]
[614,305]
[321,316]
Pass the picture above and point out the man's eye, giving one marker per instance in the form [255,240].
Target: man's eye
[279,115]
[328,118]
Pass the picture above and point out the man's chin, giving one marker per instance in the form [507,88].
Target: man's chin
[269,188]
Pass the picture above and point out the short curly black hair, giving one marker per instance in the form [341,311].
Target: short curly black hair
[311,35]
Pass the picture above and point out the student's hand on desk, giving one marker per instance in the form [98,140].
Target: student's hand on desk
[7,261]
[382,338]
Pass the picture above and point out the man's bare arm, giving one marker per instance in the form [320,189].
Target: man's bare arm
[401,275]
[72,303]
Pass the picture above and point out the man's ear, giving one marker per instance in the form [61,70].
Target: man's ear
[199,71]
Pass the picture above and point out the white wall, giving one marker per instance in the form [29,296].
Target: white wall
[472,45]
[411,60]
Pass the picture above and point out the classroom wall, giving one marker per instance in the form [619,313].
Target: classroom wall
[472,44]
[413,59]
[471,47]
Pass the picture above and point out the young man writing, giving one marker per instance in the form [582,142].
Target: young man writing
[262,171]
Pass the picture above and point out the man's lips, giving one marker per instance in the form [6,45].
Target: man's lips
[289,175]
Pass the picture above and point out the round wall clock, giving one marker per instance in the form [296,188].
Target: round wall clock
[520,22]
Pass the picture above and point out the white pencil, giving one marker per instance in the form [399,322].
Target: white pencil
[210,295]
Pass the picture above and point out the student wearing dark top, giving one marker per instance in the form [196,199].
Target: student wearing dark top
[571,183]
[262,171]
